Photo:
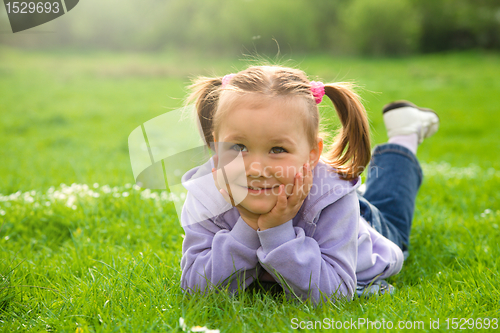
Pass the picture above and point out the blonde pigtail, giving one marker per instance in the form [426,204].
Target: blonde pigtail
[206,97]
[350,151]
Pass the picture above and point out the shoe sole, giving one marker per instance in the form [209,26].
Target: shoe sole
[402,104]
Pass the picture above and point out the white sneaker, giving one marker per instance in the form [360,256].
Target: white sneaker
[403,118]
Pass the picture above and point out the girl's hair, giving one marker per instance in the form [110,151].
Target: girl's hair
[350,151]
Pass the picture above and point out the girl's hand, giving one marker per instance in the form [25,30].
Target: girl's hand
[286,208]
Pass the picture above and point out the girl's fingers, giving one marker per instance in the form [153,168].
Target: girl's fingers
[214,174]
[282,200]
[297,189]
[303,184]
[226,196]
[308,180]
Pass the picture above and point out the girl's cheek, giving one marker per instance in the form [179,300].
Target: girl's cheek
[232,183]
[285,173]
[233,168]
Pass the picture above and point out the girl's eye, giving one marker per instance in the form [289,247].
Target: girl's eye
[278,150]
[239,147]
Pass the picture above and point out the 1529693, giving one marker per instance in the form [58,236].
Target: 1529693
[23,7]
[471,323]
[28,14]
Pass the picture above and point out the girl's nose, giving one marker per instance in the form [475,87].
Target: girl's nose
[258,169]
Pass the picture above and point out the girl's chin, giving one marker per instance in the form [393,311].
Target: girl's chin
[258,209]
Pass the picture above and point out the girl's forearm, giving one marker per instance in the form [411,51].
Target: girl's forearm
[219,258]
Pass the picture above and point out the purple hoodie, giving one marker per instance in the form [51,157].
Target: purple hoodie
[326,248]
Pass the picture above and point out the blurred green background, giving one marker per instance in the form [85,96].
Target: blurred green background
[367,27]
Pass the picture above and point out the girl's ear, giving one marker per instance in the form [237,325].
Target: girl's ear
[315,153]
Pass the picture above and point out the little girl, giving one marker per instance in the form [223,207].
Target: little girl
[299,225]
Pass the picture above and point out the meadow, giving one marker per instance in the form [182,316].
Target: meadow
[83,249]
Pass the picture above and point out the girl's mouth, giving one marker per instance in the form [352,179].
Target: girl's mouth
[253,189]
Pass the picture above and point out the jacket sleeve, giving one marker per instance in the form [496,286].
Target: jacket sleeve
[212,255]
[324,263]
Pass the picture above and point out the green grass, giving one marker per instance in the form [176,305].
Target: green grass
[106,257]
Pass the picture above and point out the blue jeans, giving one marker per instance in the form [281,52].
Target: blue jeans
[393,179]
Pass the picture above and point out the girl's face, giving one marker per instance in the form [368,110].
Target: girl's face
[271,135]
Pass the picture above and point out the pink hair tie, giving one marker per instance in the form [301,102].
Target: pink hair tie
[318,91]
[227,78]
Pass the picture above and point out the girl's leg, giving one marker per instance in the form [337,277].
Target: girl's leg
[394,177]
[394,174]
